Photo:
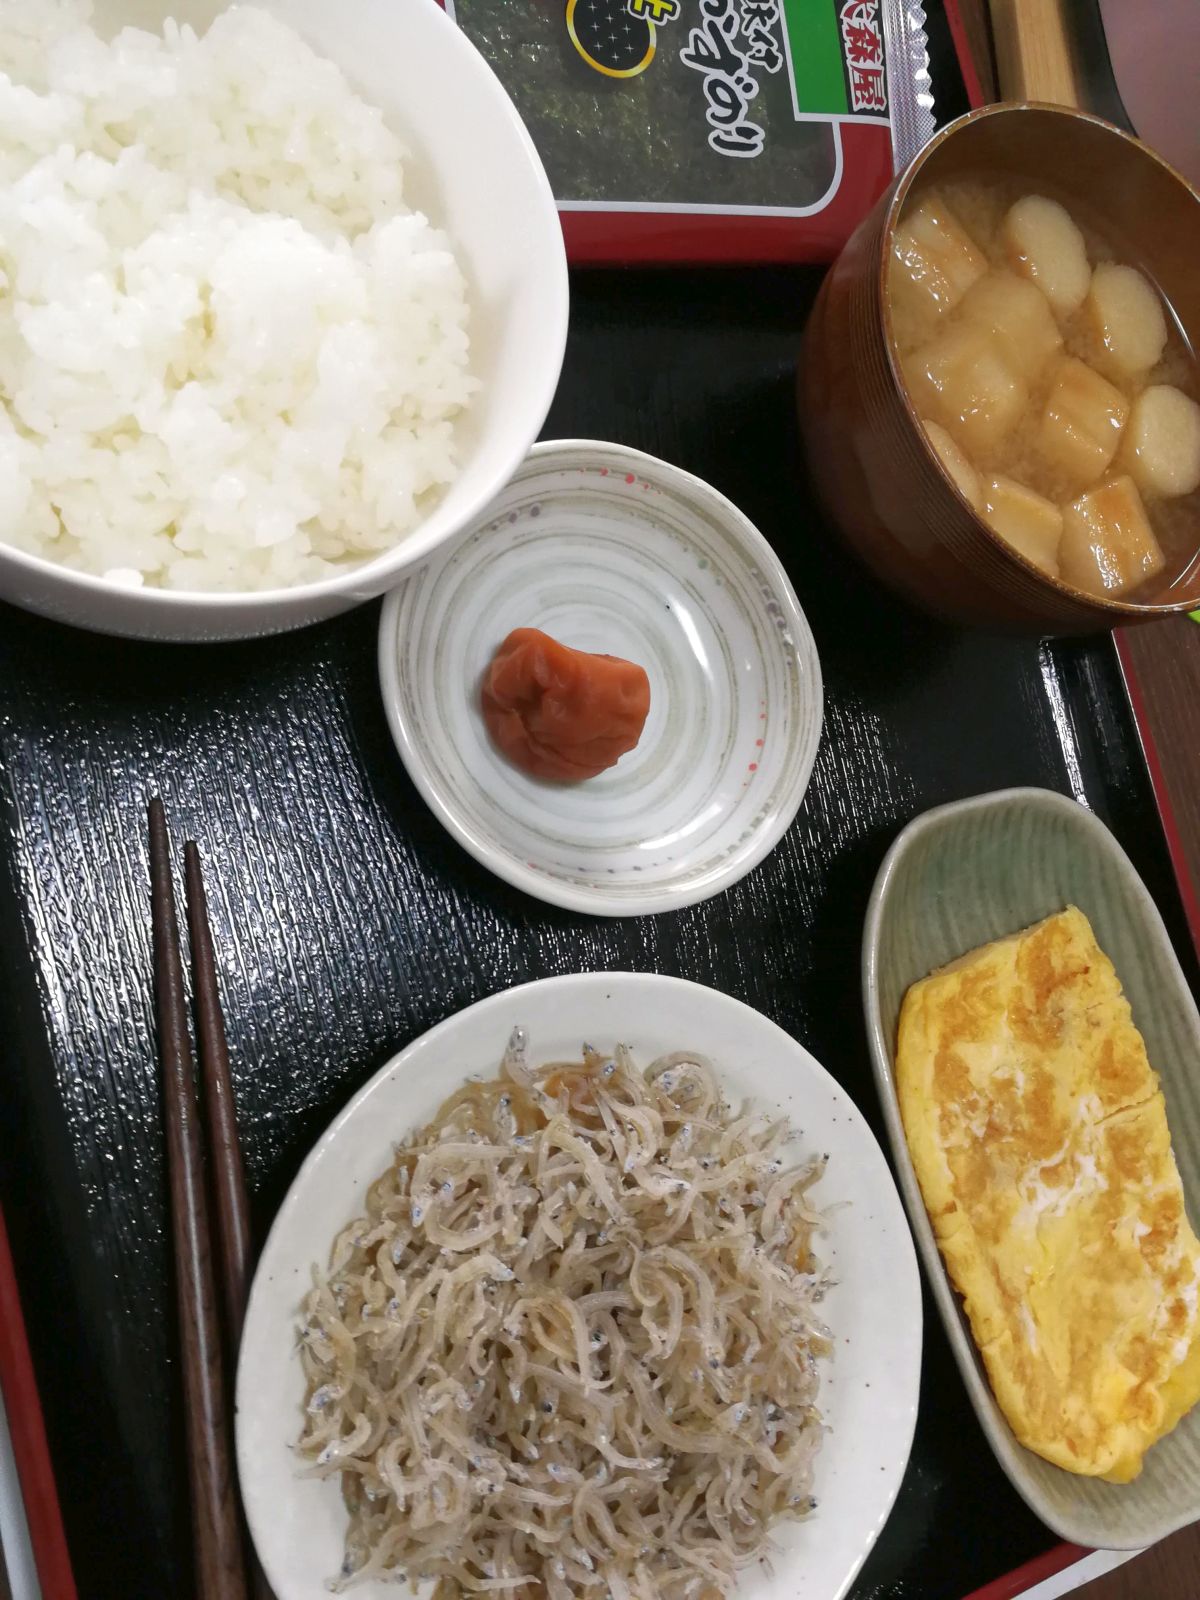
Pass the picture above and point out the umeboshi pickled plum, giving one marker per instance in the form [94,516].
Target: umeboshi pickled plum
[561,713]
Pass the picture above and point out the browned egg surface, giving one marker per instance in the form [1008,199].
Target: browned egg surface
[1054,383]
[1038,1131]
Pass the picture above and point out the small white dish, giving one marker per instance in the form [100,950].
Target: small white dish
[610,550]
[869,1388]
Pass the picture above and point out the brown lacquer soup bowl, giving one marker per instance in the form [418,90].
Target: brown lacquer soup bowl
[876,472]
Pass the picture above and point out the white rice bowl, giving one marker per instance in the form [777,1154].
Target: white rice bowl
[231,358]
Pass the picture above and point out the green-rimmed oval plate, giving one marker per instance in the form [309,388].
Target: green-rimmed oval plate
[960,877]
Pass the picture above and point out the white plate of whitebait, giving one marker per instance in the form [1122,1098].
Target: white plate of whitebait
[600,1288]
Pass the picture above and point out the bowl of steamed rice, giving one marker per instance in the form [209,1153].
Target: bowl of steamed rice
[283,304]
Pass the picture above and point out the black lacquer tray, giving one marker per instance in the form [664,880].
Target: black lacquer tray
[347,922]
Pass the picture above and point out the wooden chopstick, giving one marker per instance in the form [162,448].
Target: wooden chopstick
[220,1572]
[224,1151]
[227,1174]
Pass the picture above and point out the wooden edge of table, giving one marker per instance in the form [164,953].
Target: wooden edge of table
[28,1433]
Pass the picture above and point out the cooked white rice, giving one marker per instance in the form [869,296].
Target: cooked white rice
[230,356]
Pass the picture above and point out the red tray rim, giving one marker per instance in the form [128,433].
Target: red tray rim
[27,1429]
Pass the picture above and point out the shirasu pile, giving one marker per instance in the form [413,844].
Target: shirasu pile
[574,1340]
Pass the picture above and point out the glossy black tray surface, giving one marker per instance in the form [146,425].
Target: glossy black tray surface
[347,922]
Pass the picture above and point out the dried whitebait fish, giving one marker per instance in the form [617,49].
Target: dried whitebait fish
[572,1343]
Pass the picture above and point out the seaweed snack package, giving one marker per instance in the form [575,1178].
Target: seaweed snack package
[711,130]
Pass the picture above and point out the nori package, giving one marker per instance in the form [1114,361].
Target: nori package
[711,130]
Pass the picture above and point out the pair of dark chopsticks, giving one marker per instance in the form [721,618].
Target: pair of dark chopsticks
[225,1567]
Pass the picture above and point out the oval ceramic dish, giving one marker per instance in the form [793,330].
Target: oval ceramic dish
[869,1388]
[613,551]
[957,878]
